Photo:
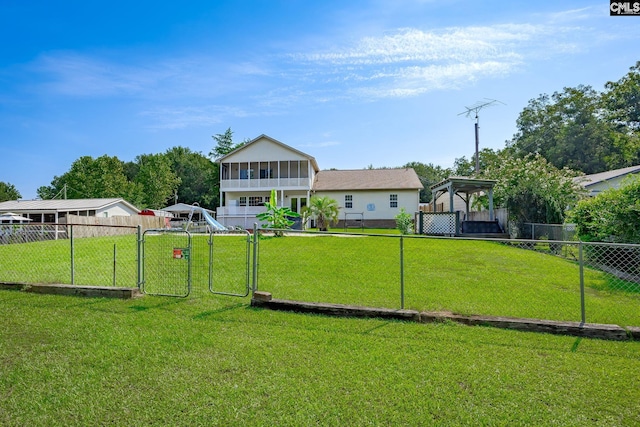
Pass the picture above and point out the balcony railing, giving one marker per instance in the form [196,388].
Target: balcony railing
[266,183]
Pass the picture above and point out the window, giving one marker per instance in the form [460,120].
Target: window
[266,173]
[348,201]
[393,200]
[255,200]
[246,173]
[243,201]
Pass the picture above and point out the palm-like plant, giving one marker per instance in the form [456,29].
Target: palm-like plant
[277,217]
[324,209]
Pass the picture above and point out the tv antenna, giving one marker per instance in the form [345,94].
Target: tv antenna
[474,110]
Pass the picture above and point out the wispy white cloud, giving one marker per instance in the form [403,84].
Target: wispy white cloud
[191,116]
[409,61]
[402,63]
[319,144]
[76,75]
[73,74]
[413,45]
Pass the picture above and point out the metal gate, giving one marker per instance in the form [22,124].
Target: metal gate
[166,262]
[177,263]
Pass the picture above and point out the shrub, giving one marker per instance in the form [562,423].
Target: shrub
[404,222]
[611,216]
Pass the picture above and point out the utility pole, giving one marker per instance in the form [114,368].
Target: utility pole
[475,109]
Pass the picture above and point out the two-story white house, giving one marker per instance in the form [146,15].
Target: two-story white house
[249,173]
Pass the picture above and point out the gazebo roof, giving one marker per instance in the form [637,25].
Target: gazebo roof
[463,184]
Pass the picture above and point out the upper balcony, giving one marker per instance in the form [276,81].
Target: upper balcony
[291,174]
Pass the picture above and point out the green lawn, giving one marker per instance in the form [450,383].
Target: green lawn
[462,276]
[213,360]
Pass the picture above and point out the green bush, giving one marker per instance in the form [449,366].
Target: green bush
[611,216]
[404,222]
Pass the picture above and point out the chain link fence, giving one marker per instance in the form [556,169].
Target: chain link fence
[540,279]
[69,254]
[535,231]
[549,280]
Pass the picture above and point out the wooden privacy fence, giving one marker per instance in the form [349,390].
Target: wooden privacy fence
[112,226]
[501,214]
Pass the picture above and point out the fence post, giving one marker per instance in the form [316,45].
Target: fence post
[139,266]
[402,272]
[582,303]
[72,254]
[114,264]
[254,285]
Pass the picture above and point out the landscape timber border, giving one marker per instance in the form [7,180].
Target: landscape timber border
[587,330]
[263,299]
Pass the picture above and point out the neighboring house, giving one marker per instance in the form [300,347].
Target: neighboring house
[54,211]
[249,173]
[599,182]
[372,195]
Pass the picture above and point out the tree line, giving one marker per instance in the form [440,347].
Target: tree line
[179,175]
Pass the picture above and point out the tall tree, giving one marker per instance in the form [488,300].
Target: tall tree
[92,178]
[158,180]
[621,101]
[429,175]
[224,144]
[568,129]
[199,181]
[8,192]
[488,158]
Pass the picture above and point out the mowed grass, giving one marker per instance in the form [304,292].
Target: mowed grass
[462,276]
[214,361]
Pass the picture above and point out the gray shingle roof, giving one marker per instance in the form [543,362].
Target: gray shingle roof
[595,178]
[62,205]
[367,179]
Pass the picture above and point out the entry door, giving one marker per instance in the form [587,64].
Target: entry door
[298,203]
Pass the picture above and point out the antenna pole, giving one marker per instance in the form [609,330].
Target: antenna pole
[476,109]
[477,127]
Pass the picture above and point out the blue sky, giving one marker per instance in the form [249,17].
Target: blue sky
[352,83]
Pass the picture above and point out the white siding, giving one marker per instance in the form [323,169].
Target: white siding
[601,186]
[375,204]
[264,150]
[115,210]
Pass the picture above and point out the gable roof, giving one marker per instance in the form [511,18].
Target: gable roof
[589,180]
[463,184]
[275,141]
[63,205]
[367,179]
